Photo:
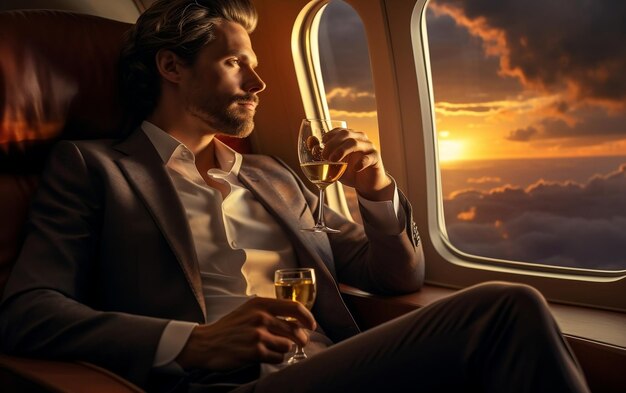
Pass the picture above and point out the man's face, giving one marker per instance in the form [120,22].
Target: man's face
[221,87]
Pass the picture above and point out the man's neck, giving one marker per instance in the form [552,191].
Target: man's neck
[196,140]
[206,158]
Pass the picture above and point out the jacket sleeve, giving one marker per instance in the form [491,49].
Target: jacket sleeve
[375,261]
[44,310]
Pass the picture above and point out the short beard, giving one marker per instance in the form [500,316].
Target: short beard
[232,124]
[227,120]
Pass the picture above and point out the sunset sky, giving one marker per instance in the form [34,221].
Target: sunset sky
[530,113]
[516,80]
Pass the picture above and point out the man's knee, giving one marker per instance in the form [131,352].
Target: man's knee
[510,307]
[523,297]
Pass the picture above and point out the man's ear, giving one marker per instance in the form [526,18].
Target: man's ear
[169,65]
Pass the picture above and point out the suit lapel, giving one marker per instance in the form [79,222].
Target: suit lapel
[280,204]
[146,172]
[312,249]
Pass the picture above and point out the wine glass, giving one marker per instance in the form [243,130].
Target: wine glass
[320,172]
[298,285]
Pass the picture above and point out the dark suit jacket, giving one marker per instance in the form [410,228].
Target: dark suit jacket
[109,259]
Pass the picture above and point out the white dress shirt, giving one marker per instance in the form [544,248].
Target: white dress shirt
[238,243]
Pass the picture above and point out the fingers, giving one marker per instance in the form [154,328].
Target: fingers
[352,146]
[285,308]
[271,347]
[278,326]
[365,170]
[266,355]
[288,329]
[285,318]
[356,155]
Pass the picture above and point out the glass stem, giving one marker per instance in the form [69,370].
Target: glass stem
[320,210]
[299,354]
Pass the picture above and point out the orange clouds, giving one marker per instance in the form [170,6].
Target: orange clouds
[575,49]
[348,99]
[494,40]
[546,74]
[484,180]
[467,215]
[523,105]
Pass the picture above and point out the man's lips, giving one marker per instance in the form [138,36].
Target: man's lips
[251,105]
[248,101]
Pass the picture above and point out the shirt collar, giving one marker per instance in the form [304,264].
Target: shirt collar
[228,160]
[164,143]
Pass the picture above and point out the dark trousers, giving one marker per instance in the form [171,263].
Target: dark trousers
[494,337]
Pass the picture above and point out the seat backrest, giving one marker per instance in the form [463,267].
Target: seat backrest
[58,80]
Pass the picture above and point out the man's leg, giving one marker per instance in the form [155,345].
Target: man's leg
[494,337]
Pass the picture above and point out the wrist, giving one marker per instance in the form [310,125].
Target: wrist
[188,356]
[383,190]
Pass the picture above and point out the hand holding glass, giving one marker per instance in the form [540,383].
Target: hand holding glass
[297,285]
[320,172]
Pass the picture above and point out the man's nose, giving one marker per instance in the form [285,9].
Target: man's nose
[254,83]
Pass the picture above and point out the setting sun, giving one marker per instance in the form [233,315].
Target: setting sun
[449,149]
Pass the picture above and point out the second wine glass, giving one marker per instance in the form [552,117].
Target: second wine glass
[319,171]
[298,285]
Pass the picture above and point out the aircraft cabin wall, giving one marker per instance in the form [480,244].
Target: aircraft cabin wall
[401,73]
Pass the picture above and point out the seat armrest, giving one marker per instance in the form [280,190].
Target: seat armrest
[371,310]
[22,374]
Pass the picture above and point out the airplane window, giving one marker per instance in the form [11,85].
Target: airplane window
[346,72]
[530,120]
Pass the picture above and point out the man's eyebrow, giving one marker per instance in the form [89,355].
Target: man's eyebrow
[245,56]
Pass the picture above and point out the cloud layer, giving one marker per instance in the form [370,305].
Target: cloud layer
[567,57]
[566,223]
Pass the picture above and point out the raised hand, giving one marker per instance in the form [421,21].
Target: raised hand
[365,171]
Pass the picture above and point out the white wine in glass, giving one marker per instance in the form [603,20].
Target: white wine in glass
[320,172]
[299,286]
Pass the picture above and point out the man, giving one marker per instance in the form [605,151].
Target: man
[153,256]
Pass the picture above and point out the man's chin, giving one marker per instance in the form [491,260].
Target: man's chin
[239,135]
[241,130]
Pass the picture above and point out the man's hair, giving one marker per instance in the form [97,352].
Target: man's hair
[181,26]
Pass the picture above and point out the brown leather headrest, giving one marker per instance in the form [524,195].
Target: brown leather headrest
[58,80]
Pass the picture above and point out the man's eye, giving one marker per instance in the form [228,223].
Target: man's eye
[233,62]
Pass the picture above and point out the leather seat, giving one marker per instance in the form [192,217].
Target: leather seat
[58,80]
